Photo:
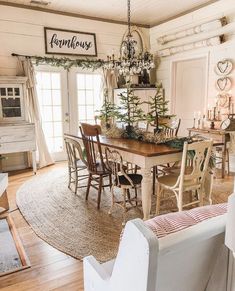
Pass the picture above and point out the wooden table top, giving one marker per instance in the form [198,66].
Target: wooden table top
[136,147]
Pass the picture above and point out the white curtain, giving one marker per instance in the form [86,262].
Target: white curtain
[33,112]
[110,82]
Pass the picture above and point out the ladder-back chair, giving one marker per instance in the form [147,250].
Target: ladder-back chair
[95,161]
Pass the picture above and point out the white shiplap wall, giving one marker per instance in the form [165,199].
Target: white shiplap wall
[214,54]
[21,31]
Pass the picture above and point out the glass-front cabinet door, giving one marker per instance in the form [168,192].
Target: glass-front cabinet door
[12,100]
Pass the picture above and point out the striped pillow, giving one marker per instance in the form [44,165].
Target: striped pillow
[172,222]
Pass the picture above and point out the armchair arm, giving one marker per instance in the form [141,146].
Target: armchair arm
[95,275]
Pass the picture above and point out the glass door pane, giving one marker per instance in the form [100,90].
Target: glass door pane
[88,96]
[49,91]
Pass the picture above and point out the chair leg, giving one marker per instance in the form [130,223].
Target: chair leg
[113,200]
[76,182]
[70,178]
[154,179]
[136,196]
[159,194]
[110,182]
[200,193]
[4,201]
[128,194]
[228,162]
[180,200]
[99,191]
[88,186]
[124,191]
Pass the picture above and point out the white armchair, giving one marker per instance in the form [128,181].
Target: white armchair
[193,259]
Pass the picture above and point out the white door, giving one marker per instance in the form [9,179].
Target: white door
[85,95]
[66,99]
[189,90]
[53,101]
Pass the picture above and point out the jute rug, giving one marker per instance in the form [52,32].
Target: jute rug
[67,221]
[75,226]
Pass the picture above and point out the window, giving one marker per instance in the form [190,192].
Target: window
[88,96]
[50,101]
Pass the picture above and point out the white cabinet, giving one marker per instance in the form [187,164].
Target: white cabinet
[19,137]
[12,103]
[16,134]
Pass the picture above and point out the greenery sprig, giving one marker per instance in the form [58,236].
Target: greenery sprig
[67,63]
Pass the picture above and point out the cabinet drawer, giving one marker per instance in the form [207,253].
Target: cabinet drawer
[16,147]
[16,134]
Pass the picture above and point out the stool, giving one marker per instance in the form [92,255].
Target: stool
[3,192]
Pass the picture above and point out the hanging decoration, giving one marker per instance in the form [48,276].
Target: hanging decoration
[129,63]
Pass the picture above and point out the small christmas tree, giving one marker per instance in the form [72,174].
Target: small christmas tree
[107,111]
[129,110]
[158,109]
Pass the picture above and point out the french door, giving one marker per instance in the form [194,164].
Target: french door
[66,99]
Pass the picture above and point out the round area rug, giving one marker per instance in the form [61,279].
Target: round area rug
[68,222]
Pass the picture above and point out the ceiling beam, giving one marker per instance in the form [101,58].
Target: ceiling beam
[71,14]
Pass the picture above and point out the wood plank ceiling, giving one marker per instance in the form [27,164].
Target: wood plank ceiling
[145,12]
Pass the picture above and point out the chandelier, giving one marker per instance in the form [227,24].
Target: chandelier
[129,63]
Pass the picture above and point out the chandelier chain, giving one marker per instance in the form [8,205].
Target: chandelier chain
[129,16]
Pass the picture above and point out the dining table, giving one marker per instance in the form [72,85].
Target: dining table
[146,156]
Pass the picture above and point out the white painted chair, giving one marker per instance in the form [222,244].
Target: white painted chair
[124,181]
[191,177]
[193,259]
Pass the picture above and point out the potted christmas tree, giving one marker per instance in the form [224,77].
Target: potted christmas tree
[157,115]
[107,112]
[129,111]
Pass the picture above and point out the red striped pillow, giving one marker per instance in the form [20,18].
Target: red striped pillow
[163,225]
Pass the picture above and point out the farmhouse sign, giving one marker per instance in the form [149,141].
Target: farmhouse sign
[69,42]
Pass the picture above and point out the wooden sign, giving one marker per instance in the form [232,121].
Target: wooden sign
[69,42]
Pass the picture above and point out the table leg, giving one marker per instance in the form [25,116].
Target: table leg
[146,191]
[223,160]
[34,162]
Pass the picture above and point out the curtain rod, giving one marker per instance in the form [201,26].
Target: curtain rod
[65,62]
[17,55]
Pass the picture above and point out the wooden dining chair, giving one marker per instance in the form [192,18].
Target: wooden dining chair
[191,176]
[96,165]
[170,131]
[173,128]
[124,181]
[76,162]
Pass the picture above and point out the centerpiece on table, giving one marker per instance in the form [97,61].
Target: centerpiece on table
[157,116]
[129,111]
[107,112]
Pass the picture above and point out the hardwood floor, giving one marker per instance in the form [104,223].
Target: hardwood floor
[50,268]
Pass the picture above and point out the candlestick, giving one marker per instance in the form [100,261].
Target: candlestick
[229,105]
[198,123]
[203,121]
[214,113]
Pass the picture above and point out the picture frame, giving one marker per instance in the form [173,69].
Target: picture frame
[69,42]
